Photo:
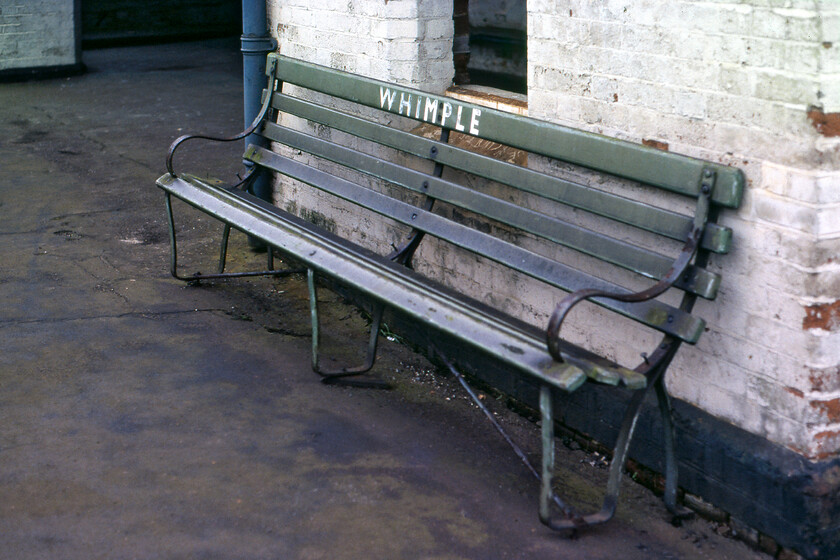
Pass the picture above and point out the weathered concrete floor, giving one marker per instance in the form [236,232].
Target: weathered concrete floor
[140,418]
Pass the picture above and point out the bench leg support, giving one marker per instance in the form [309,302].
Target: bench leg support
[671,472]
[173,258]
[549,501]
[338,376]
[548,438]
[619,459]
[622,445]
[223,249]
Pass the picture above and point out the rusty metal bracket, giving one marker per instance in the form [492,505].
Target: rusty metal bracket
[404,253]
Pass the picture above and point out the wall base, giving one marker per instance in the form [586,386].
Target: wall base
[41,72]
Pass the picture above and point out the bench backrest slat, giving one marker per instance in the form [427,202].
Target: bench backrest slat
[521,208]
[666,170]
[655,314]
[631,257]
[655,220]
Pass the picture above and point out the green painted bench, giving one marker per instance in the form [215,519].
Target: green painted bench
[487,225]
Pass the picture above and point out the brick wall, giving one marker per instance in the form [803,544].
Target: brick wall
[404,41]
[407,42]
[748,84]
[37,33]
[751,84]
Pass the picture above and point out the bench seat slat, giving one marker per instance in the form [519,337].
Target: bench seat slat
[508,339]
[655,314]
[381,280]
[656,220]
[674,172]
[630,257]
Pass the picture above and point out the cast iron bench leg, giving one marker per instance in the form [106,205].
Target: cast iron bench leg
[671,473]
[173,256]
[337,376]
[616,467]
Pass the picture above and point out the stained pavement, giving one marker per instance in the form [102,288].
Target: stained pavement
[141,418]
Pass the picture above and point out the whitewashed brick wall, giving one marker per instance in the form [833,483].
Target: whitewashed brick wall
[752,84]
[407,42]
[735,83]
[37,33]
[404,41]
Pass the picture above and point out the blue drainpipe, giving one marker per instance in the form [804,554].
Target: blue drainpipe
[256,44]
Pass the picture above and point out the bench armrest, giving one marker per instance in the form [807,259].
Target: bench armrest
[567,303]
[677,269]
[245,133]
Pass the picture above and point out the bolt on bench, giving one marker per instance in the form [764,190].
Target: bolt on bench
[389,280]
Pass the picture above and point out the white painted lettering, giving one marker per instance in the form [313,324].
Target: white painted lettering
[431,107]
[405,102]
[417,108]
[458,126]
[474,121]
[386,95]
[445,113]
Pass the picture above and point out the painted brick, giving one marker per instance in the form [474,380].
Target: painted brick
[37,34]
[741,76]
[784,212]
[401,9]
[830,92]
[396,28]
[718,80]
[786,88]
[824,379]
[831,26]
[439,29]
[430,9]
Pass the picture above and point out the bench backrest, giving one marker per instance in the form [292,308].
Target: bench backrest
[672,173]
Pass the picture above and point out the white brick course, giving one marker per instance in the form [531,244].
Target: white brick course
[731,82]
[37,33]
[386,40]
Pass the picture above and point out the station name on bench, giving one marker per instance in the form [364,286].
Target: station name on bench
[430,110]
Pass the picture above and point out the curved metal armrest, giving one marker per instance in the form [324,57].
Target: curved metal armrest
[680,263]
[245,133]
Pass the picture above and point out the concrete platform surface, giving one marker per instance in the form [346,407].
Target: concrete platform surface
[141,418]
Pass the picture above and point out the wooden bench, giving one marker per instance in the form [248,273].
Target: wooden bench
[633,241]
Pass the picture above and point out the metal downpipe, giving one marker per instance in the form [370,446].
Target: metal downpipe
[256,44]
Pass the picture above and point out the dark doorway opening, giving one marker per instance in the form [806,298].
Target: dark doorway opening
[108,23]
[491,44]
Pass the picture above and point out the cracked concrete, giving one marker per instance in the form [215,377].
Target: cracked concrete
[141,418]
